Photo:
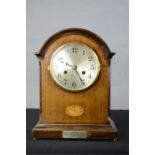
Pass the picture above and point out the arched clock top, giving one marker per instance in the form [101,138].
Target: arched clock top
[75,31]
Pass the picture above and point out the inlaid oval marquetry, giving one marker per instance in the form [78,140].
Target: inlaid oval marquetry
[74,110]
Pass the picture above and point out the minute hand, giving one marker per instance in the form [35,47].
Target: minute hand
[78,75]
[70,65]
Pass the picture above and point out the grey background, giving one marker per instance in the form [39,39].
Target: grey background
[108,18]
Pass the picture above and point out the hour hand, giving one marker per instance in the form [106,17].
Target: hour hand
[69,65]
[74,67]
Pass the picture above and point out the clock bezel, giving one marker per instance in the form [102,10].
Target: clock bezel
[98,67]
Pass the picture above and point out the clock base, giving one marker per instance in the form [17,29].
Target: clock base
[70,131]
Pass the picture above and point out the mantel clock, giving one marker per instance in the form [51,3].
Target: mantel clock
[75,87]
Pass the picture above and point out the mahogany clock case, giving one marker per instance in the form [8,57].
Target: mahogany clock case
[95,122]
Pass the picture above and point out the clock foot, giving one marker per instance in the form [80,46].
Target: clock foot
[59,131]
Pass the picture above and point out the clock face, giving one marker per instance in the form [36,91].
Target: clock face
[74,66]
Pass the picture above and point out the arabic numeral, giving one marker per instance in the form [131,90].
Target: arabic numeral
[83,83]
[59,75]
[92,67]
[90,76]
[65,81]
[75,50]
[90,57]
[60,59]
[74,84]
[83,52]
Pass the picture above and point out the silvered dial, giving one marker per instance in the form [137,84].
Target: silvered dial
[74,66]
